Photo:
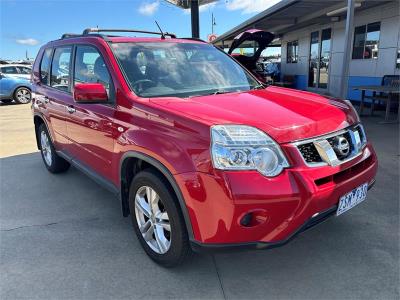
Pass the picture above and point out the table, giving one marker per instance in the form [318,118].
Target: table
[391,90]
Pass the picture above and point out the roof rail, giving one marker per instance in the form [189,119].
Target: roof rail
[87,31]
[69,35]
[193,39]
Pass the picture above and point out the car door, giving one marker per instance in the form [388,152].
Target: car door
[90,125]
[7,86]
[53,91]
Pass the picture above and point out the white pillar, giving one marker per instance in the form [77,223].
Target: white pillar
[344,82]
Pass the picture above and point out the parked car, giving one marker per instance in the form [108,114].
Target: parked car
[200,154]
[18,70]
[260,40]
[14,88]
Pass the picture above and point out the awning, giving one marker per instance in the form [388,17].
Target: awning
[289,15]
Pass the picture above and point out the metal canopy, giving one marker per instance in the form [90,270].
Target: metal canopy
[186,3]
[289,15]
[194,12]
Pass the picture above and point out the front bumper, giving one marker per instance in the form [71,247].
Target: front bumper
[282,206]
[313,221]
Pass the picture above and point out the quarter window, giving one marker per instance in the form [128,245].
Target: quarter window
[366,41]
[292,52]
[60,68]
[45,66]
[90,67]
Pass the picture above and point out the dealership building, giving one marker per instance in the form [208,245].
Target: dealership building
[331,46]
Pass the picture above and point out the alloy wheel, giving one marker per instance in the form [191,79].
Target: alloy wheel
[46,148]
[152,219]
[23,96]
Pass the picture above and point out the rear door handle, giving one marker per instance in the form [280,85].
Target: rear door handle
[71,109]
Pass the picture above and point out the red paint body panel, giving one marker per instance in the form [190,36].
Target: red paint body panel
[176,133]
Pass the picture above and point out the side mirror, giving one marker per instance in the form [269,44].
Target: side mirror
[90,93]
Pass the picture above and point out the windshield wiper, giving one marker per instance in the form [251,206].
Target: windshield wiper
[259,87]
[218,92]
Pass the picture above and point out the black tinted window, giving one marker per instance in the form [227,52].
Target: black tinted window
[45,66]
[366,41]
[90,67]
[292,52]
[60,68]
[9,70]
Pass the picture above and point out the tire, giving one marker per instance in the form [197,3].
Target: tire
[165,208]
[53,162]
[22,95]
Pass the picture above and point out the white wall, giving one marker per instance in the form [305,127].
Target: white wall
[388,15]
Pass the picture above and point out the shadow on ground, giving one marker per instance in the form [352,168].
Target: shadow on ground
[63,236]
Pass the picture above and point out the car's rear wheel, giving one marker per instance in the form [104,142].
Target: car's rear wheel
[22,95]
[157,219]
[53,162]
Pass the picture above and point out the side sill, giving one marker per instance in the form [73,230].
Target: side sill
[90,173]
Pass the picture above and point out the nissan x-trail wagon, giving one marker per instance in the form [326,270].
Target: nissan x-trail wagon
[200,154]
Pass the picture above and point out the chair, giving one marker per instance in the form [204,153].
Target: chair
[387,98]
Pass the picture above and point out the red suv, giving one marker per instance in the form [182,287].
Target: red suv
[198,151]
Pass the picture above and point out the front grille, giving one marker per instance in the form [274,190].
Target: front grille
[310,154]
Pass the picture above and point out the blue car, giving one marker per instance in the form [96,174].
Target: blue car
[15,88]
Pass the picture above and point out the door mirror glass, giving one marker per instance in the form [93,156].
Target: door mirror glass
[90,93]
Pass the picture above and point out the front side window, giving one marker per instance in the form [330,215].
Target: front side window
[24,70]
[180,69]
[45,67]
[90,67]
[60,68]
[366,41]
[292,52]
[9,70]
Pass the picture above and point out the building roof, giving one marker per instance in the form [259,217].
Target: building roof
[288,15]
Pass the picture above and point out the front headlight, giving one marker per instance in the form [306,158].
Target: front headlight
[240,147]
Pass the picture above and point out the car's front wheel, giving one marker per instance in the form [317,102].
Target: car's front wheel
[22,95]
[53,162]
[157,219]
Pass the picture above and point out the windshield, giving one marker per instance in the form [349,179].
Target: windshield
[180,69]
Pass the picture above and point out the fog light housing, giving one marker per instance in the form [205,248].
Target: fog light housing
[254,218]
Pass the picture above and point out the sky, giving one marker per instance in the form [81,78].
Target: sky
[25,25]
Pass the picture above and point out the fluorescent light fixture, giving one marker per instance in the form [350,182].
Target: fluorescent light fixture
[341,10]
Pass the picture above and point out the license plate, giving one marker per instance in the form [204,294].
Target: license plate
[352,198]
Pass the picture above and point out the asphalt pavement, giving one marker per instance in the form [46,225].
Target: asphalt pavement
[63,237]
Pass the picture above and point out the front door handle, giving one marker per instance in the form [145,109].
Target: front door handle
[71,109]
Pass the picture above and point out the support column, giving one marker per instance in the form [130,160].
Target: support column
[194,10]
[344,82]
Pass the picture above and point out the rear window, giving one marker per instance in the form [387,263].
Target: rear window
[45,66]
[9,70]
